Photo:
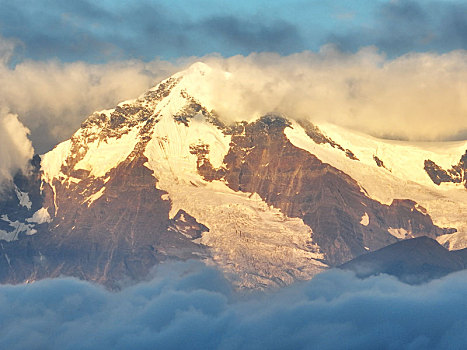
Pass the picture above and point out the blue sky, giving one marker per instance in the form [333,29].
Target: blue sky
[92,31]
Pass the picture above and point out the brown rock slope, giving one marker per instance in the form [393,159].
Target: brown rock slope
[262,160]
[123,234]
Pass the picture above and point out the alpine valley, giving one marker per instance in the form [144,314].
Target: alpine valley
[269,201]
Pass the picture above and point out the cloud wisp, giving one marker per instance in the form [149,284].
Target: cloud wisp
[52,99]
[190,305]
[16,150]
[414,97]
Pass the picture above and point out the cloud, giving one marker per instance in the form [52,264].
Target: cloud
[252,35]
[145,29]
[401,26]
[53,98]
[188,305]
[417,96]
[16,149]
[97,32]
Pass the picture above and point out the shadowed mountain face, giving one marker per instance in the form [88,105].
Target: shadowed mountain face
[121,235]
[161,177]
[262,160]
[413,261]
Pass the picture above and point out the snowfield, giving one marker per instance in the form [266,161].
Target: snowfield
[245,234]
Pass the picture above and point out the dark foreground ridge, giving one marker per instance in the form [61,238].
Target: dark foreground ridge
[412,261]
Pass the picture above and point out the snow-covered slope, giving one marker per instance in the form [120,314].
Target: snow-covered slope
[269,201]
[401,172]
[247,236]
[254,243]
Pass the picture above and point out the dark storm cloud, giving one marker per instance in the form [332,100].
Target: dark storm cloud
[190,306]
[253,36]
[403,26]
[46,29]
[74,30]
[82,30]
[99,31]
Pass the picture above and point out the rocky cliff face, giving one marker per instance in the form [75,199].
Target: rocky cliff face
[456,174]
[344,220]
[162,177]
[121,235]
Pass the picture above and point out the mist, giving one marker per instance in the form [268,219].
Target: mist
[16,149]
[189,305]
[417,96]
[53,98]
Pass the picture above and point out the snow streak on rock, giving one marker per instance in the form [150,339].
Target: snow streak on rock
[269,201]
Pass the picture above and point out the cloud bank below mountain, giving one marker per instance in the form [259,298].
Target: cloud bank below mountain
[190,305]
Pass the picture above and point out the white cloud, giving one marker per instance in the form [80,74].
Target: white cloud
[16,149]
[53,98]
[416,96]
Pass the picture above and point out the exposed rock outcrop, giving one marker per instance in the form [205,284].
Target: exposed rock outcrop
[162,177]
[262,160]
[456,174]
[120,235]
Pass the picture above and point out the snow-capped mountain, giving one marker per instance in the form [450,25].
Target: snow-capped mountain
[269,201]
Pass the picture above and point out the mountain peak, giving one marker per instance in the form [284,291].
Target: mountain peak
[269,201]
[200,68]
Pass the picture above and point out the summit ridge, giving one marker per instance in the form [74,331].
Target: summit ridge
[269,201]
